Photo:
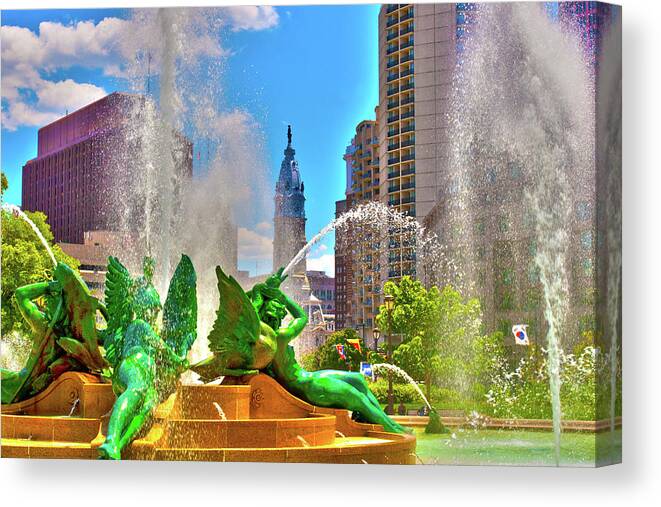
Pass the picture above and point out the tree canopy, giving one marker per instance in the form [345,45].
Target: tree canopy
[24,261]
[438,329]
[327,357]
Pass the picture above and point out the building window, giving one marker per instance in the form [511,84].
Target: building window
[491,175]
[583,211]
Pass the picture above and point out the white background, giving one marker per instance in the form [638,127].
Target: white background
[636,482]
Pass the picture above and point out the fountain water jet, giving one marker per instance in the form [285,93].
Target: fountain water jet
[381,219]
[12,208]
[401,373]
[539,125]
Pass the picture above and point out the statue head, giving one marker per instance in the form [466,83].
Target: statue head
[147,303]
[272,313]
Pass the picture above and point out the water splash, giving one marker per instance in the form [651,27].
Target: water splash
[401,373]
[303,441]
[16,211]
[376,223]
[74,405]
[221,412]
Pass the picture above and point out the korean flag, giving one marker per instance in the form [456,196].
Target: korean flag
[520,334]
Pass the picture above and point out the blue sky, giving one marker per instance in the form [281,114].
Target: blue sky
[315,67]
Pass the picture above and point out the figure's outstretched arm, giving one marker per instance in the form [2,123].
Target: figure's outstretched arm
[297,325]
[29,310]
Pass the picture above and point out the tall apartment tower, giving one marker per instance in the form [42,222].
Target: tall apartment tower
[289,219]
[343,274]
[365,249]
[418,47]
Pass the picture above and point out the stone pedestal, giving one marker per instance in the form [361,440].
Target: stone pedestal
[255,421]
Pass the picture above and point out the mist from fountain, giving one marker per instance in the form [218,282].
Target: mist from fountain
[539,127]
[177,63]
[609,163]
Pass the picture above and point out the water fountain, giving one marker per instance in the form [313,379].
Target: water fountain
[254,420]
[15,210]
[176,61]
[542,125]
[402,374]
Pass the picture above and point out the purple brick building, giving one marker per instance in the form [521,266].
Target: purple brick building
[82,159]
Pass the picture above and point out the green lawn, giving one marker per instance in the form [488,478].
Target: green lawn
[507,447]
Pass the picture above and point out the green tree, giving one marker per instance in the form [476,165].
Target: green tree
[438,328]
[409,356]
[327,357]
[24,261]
[5,183]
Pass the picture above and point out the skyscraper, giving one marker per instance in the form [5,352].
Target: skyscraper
[289,218]
[343,273]
[358,250]
[418,47]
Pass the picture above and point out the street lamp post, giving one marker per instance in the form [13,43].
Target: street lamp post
[389,303]
[376,333]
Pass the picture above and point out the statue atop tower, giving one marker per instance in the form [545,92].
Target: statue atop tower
[289,219]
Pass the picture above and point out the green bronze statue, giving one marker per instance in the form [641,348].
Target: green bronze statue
[61,314]
[146,364]
[325,388]
[241,342]
[247,337]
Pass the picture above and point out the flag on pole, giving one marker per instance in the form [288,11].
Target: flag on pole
[520,334]
[340,350]
[356,343]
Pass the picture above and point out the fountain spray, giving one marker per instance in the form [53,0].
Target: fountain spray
[541,123]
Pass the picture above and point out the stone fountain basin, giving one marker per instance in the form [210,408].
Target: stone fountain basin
[262,422]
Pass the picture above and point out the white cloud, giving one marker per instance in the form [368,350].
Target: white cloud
[117,47]
[20,113]
[325,262]
[53,99]
[68,94]
[254,246]
[252,17]
[265,228]
[321,248]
